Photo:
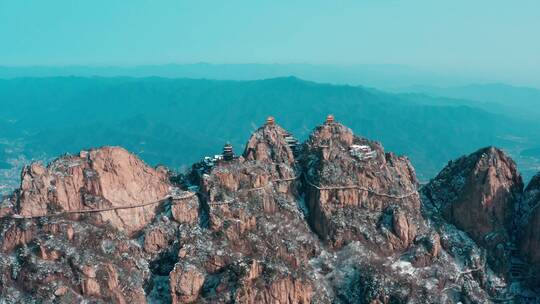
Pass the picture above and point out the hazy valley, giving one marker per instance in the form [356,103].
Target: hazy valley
[178,121]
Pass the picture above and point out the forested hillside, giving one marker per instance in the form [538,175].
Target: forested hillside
[178,121]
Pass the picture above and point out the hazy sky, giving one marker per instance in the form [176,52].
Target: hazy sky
[478,35]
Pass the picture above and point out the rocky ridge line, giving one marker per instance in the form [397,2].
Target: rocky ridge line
[336,220]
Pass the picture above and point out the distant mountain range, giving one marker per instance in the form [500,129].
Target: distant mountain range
[384,76]
[520,102]
[178,121]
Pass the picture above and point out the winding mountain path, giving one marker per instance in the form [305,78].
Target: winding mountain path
[18,216]
[406,195]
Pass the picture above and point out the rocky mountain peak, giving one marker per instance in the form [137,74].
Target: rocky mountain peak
[347,175]
[338,221]
[269,144]
[260,244]
[331,133]
[108,177]
[478,193]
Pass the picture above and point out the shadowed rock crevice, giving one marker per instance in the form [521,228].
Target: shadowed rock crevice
[529,235]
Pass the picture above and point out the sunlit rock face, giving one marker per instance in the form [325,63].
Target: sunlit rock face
[101,178]
[338,220]
[478,193]
[268,144]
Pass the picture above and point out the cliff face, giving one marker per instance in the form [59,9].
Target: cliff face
[373,200]
[478,194]
[97,179]
[68,232]
[339,221]
[531,194]
[529,238]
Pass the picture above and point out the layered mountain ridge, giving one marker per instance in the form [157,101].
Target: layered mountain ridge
[175,121]
[336,219]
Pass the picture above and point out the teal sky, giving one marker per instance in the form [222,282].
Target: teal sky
[484,36]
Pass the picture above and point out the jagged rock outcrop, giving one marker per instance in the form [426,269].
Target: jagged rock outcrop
[101,178]
[69,237]
[260,243]
[478,193]
[372,199]
[186,283]
[269,145]
[364,204]
[286,290]
[340,221]
[68,261]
